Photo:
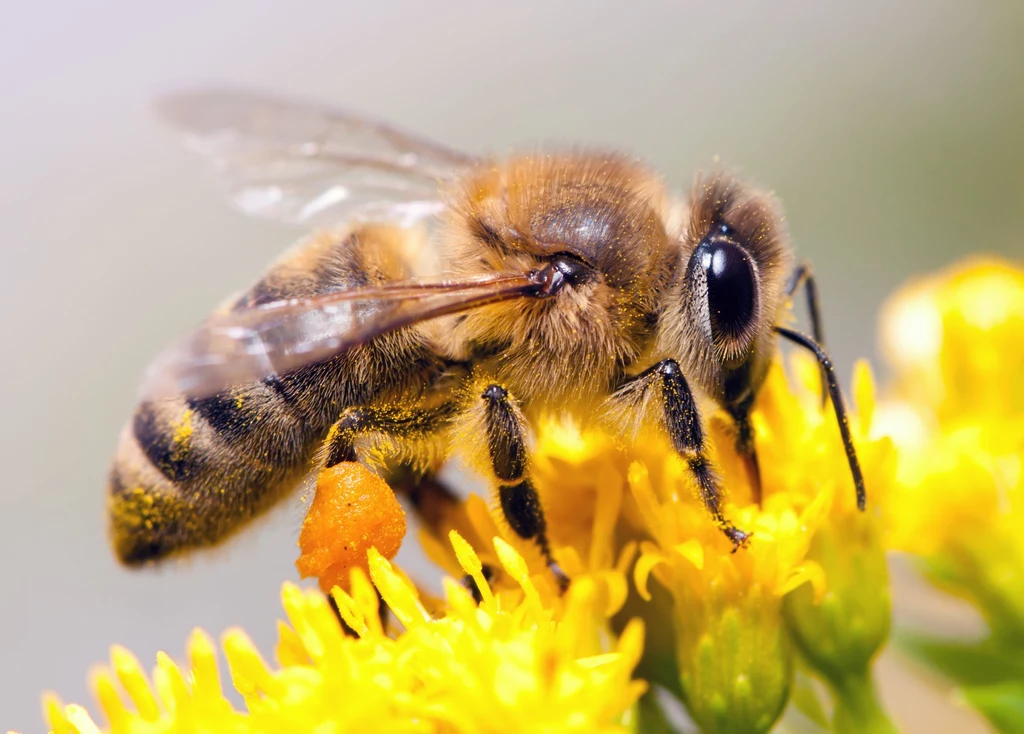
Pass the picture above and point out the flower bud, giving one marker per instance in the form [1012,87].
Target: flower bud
[735,660]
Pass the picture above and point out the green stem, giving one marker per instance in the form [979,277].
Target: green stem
[858,708]
[650,717]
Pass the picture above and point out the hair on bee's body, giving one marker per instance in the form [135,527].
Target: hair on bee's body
[571,282]
[601,208]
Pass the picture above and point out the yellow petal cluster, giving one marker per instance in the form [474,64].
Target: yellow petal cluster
[479,668]
[954,340]
[734,614]
[725,640]
[956,344]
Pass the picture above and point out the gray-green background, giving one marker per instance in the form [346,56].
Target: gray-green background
[893,132]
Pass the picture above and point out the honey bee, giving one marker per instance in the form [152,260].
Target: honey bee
[449,296]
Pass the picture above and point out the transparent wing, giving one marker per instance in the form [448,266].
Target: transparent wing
[239,347]
[300,163]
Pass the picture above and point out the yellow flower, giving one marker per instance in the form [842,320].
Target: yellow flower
[486,668]
[723,642]
[840,632]
[734,645]
[956,342]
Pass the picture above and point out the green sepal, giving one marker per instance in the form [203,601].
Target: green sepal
[651,717]
[805,699]
[1001,703]
[967,663]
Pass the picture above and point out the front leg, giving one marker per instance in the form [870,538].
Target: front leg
[804,276]
[685,429]
[520,503]
[745,444]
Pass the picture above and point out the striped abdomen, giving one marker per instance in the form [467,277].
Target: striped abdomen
[189,471]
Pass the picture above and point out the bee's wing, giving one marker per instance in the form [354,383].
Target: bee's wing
[300,163]
[238,347]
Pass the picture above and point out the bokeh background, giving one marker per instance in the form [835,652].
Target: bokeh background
[894,134]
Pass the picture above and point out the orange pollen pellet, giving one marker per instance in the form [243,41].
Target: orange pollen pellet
[352,511]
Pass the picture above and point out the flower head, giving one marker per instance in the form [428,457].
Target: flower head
[735,643]
[956,342]
[487,668]
[956,411]
[728,649]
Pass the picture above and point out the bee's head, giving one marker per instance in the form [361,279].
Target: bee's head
[718,312]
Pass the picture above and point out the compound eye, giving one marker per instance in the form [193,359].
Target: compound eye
[731,286]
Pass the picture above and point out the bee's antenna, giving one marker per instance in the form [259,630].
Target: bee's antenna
[836,394]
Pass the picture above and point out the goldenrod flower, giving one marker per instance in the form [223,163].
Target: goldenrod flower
[486,668]
[730,653]
[958,415]
[810,546]
[841,631]
[956,342]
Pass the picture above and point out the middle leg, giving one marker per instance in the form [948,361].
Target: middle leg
[520,503]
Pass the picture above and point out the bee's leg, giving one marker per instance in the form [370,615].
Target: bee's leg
[340,447]
[745,445]
[686,431]
[393,422]
[382,612]
[506,443]
[803,275]
[431,498]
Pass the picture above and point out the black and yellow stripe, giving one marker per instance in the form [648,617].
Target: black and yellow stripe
[189,471]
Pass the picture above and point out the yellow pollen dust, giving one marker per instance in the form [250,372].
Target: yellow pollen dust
[183,429]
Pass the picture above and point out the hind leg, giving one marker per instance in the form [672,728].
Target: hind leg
[430,498]
[394,423]
[505,434]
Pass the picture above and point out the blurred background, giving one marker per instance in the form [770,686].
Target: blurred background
[893,133]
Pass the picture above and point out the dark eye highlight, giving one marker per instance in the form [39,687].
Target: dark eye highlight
[731,282]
